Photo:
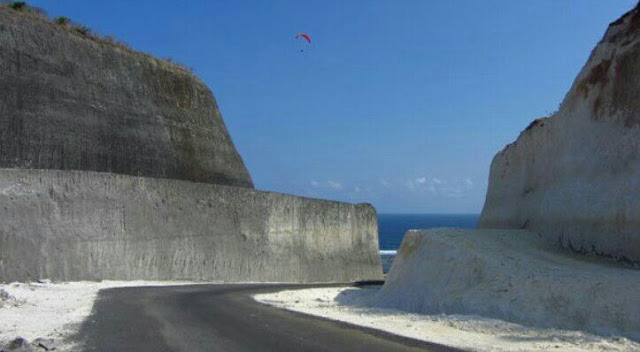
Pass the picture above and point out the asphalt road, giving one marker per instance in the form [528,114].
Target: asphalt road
[221,318]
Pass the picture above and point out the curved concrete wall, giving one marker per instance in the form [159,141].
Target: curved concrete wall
[72,103]
[78,225]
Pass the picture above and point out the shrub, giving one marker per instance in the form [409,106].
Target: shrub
[84,30]
[24,7]
[18,5]
[61,20]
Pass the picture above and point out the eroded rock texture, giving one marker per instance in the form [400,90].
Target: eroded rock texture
[574,177]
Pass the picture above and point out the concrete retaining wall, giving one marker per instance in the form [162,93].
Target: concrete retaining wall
[80,225]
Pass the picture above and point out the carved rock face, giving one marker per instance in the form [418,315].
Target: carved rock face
[575,176]
[73,103]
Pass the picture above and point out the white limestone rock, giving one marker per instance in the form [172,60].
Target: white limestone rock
[511,275]
[574,177]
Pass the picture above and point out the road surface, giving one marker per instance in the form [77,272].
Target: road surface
[221,318]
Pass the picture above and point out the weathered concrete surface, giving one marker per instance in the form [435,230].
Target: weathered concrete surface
[72,103]
[575,176]
[78,225]
[513,275]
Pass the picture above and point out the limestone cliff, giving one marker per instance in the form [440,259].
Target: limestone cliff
[575,177]
[71,102]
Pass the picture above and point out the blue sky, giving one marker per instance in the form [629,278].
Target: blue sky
[401,104]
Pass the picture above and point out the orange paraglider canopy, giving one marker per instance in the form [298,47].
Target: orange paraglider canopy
[305,36]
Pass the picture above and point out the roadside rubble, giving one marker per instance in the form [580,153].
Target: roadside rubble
[23,345]
[7,300]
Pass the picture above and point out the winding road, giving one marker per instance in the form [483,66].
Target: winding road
[221,318]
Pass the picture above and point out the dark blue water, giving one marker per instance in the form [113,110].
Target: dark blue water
[392,227]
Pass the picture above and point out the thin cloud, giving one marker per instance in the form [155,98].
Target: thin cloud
[455,188]
[326,184]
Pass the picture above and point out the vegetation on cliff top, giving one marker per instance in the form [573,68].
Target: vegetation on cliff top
[21,7]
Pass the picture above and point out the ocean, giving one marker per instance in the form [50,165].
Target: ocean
[392,227]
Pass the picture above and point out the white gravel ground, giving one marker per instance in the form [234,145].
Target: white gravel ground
[473,333]
[52,310]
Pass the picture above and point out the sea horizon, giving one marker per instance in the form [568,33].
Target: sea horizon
[393,226]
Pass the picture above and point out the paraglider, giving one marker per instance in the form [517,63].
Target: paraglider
[305,37]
